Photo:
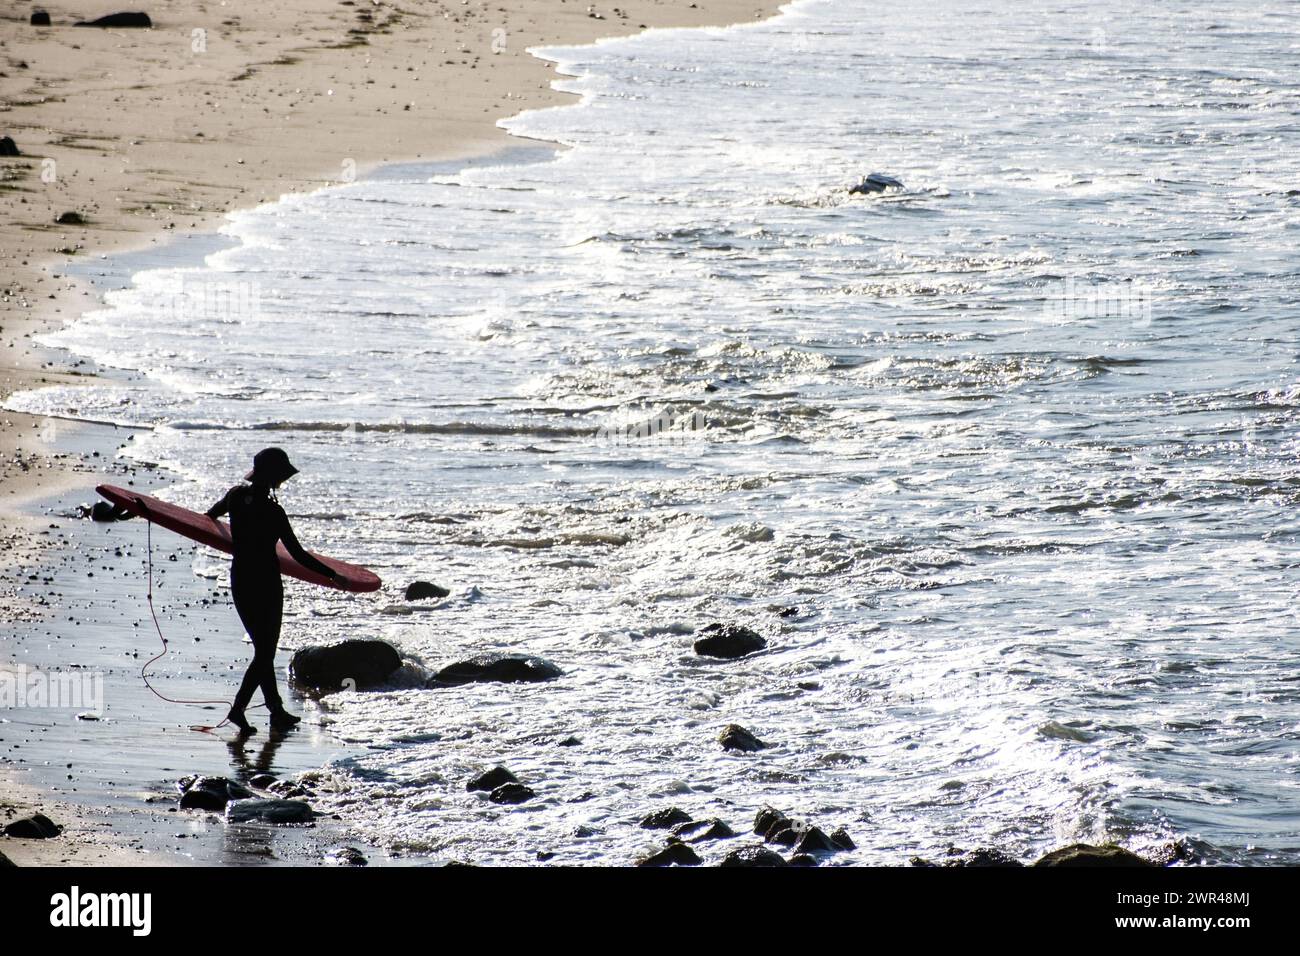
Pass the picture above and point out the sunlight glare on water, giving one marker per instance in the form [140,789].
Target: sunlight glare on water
[1040,551]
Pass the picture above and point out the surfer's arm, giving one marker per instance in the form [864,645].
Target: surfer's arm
[220,508]
[299,553]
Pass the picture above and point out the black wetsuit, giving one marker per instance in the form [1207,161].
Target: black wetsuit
[257,522]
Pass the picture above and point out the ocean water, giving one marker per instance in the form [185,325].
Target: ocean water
[1001,463]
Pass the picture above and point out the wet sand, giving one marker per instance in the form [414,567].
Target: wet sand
[147,135]
[107,773]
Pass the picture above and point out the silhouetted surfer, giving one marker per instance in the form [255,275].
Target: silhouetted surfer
[257,522]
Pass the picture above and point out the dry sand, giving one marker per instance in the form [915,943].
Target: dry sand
[145,134]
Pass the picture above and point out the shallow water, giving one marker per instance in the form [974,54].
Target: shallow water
[1040,546]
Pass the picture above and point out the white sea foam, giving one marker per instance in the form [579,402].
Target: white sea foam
[987,524]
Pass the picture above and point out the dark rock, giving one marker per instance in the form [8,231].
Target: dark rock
[875,183]
[569,742]
[674,854]
[779,826]
[985,857]
[118,20]
[813,840]
[788,836]
[346,856]
[40,18]
[803,859]
[544,855]
[728,640]
[70,219]
[492,779]
[289,789]
[697,831]
[842,840]
[8,147]
[36,827]
[753,856]
[736,737]
[263,781]
[1084,854]
[5,862]
[1177,851]
[511,793]
[766,818]
[103,511]
[423,590]
[665,818]
[275,812]
[505,669]
[353,664]
[210,793]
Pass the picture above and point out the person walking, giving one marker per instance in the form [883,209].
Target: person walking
[257,524]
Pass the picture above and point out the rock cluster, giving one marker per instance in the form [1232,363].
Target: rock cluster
[775,827]
[500,668]
[242,805]
[1074,855]
[501,786]
[209,793]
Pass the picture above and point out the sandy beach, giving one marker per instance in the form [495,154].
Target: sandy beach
[145,134]
[134,136]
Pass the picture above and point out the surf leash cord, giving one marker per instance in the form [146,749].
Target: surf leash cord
[144,671]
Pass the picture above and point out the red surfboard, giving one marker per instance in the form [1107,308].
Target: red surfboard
[216,534]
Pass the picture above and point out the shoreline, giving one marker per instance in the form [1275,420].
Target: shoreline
[64,124]
[310,109]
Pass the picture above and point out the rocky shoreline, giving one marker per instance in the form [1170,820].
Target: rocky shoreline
[277,815]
